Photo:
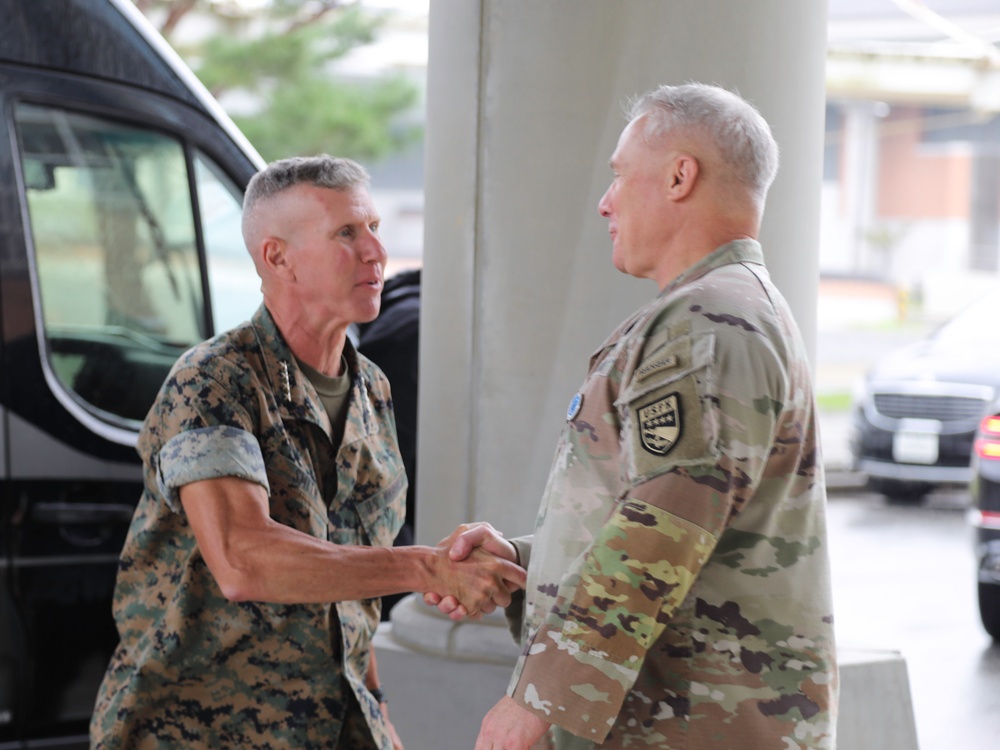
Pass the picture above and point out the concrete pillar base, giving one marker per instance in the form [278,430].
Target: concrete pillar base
[876,711]
[442,677]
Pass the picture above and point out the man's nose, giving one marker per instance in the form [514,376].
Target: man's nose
[604,204]
[374,251]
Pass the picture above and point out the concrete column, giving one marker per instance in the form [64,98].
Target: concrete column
[984,203]
[860,182]
[524,110]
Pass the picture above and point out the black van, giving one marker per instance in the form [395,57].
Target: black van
[121,186]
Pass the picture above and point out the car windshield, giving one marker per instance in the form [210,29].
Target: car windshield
[971,323]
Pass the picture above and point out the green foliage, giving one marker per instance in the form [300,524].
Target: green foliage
[228,62]
[307,116]
[838,401]
[301,106]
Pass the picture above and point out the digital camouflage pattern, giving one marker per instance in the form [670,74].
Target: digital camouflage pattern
[194,670]
[678,589]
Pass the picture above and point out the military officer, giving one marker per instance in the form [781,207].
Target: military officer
[678,589]
[248,586]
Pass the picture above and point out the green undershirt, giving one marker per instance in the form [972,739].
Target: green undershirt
[333,393]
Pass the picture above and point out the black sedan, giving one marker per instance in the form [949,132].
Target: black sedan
[916,414]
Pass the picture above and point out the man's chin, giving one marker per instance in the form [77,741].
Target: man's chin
[370,315]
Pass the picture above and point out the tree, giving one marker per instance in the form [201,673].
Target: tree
[279,59]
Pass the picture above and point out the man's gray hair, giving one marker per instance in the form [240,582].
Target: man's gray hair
[322,171]
[729,122]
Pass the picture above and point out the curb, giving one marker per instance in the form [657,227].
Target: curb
[839,479]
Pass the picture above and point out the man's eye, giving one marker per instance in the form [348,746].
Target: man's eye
[347,232]
[374,226]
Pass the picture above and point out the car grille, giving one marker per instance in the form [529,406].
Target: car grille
[953,450]
[916,406]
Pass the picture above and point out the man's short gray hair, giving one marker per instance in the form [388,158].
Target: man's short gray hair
[729,122]
[322,171]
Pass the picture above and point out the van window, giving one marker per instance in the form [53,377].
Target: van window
[231,276]
[116,262]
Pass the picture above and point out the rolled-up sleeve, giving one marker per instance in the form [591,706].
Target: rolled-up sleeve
[208,453]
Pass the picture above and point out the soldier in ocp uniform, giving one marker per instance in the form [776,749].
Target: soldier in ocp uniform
[247,592]
[678,589]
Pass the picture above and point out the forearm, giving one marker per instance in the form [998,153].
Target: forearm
[254,558]
[639,567]
[282,565]
[544,684]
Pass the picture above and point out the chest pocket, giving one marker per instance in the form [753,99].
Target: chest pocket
[668,407]
[297,489]
[370,505]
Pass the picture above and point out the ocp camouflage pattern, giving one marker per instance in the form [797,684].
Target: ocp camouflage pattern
[194,670]
[678,589]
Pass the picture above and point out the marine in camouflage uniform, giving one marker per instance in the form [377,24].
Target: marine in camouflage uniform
[678,589]
[194,669]
[274,486]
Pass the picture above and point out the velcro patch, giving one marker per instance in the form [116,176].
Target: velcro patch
[663,363]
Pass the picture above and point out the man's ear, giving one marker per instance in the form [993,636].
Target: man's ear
[274,254]
[682,176]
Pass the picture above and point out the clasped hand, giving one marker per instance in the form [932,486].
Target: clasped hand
[508,726]
[483,571]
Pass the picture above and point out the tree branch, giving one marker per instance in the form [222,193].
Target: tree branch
[324,7]
[176,12]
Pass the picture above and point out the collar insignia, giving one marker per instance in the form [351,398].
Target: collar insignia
[286,382]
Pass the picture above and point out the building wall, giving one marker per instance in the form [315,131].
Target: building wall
[919,180]
[899,198]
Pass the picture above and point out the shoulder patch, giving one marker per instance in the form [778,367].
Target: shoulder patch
[660,424]
[575,404]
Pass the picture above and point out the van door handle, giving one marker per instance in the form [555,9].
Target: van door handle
[81,513]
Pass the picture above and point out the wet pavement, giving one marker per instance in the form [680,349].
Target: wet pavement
[905,575]
[904,580]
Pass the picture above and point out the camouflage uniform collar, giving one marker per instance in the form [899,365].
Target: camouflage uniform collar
[737,251]
[361,396]
[293,393]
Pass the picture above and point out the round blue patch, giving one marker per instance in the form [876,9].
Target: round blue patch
[574,407]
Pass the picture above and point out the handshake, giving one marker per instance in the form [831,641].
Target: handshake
[477,571]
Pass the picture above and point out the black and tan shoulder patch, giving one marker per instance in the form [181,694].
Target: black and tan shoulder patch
[660,424]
